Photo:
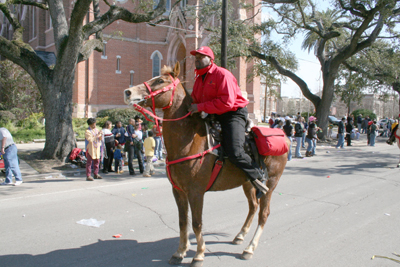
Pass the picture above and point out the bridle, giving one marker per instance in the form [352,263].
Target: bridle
[172,86]
[144,111]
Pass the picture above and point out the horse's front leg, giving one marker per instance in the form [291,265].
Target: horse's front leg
[184,243]
[196,206]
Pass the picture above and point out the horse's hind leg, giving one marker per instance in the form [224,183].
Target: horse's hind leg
[196,206]
[253,206]
[263,216]
[182,203]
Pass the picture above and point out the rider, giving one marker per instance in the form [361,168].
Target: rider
[216,91]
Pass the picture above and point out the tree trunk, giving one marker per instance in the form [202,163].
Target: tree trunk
[58,107]
[323,107]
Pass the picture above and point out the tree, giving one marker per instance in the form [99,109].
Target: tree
[74,42]
[18,92]
[334,35]
[379,64]
[353,88]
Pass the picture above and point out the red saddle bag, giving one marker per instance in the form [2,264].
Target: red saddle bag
[270,141]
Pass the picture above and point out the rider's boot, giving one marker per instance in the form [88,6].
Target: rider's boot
[260,184]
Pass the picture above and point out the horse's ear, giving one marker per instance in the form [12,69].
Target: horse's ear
[177,69]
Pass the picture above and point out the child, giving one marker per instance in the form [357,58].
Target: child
[330,128]
[149,146]
[118,159]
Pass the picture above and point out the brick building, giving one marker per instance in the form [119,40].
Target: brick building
[134,53]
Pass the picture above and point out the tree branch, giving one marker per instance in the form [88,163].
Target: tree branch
[30,3]
[88,47]
[116,13]
[280,1]
[24,56]
[60,25]
[300,82]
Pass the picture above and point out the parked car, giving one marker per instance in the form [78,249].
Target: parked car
[383,122]
[333,120]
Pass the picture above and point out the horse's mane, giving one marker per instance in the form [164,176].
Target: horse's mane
[167,70]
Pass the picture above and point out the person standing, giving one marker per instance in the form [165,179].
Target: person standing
[349,129]
[298,134]
[109,144]
[138,143]
[288,129]
[359,122]
[304,134]
[340,143]
[364,126]
[369,132]
[279,124]
[119,134]
[311,137]
[216,91]
[118,159]
[93,139]
[10,155]
[373,131]
[157,131]
[130,145]
[149,146]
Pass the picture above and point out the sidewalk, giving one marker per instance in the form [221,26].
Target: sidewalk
[30,174]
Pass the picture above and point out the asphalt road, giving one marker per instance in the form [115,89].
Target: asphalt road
[336,209]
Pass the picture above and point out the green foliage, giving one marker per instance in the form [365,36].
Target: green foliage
[6,116]
[27,134]
[118,114]
[80,125]
[364,112]
[18,92]
[31,122]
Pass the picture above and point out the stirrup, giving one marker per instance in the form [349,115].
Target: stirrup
[262,189]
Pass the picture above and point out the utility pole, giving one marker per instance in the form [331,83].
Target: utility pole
[223,34]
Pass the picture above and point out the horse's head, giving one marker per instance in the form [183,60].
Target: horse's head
[159,89]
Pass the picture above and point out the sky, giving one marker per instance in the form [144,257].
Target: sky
[309,68]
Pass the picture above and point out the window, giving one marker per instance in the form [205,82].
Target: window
[50,25]
[156,57]
[33,22]
[167,7]
[118,71]
[184,3]
[131,78]
[104,55]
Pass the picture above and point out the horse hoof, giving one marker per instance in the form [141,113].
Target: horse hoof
[196,263]
[175,260]
[246,255]
[237,241]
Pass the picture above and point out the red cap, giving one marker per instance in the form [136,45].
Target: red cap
[370,122]
[204,50]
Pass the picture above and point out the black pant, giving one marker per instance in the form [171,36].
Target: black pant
[348,139]
[131,153]
[107,163]
[233,125]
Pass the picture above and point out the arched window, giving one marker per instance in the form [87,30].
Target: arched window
[167,7]
[156,57]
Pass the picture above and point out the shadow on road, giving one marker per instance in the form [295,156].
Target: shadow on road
[118,252]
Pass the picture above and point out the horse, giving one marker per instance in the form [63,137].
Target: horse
[184,136]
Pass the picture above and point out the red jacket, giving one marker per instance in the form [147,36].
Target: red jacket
[218,93]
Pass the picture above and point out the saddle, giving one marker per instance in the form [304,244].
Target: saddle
[259,142]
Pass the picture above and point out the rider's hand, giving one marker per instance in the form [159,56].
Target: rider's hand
[193,108]
[2,151]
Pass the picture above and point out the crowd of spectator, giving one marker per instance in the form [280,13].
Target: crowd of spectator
[111,144]
[349,128]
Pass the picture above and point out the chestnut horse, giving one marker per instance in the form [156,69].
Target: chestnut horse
[185,137]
